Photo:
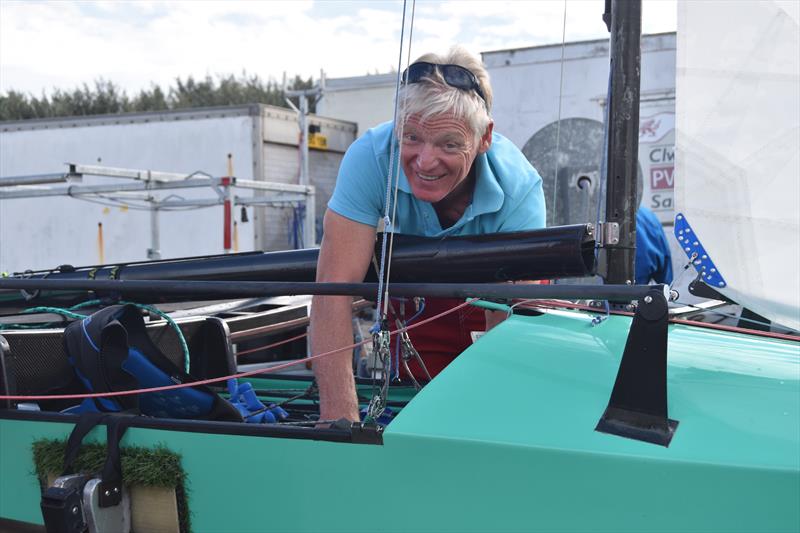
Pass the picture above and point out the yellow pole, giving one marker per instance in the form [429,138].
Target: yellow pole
[100,254]
[235,236]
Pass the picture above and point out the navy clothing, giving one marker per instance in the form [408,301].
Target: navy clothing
[653,258]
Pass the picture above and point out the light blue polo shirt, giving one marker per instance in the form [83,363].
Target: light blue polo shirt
[508,191]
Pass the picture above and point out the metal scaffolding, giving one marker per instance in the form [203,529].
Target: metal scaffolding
[145,184]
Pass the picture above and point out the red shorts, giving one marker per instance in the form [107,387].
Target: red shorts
[439,341]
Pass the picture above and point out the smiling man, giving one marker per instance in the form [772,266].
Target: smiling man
[458,177]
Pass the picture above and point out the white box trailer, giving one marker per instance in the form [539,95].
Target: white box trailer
[41,232]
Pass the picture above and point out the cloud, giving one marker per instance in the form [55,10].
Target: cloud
[63,44]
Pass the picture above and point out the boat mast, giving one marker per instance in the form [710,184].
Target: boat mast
[625,24]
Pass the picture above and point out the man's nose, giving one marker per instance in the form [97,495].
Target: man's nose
[427,157]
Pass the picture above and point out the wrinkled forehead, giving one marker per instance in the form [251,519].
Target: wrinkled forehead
[439,125]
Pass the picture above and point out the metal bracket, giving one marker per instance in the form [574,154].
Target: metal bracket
[607,233]
[637,408]
[694,250]
[62,505]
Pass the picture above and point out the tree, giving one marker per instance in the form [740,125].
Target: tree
[107,97]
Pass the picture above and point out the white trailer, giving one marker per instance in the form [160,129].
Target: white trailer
[41,232]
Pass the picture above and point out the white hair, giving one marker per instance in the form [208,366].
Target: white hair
[432,96]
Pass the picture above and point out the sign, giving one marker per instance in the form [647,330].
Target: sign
[657,159]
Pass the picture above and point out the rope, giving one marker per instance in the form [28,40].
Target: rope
[387,223]
[52,310]
[380,339]
[69,313]
[560,94]
[397,172]
[173,325]
[276,368]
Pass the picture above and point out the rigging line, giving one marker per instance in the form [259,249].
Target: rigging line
[249,373]
[603,159]
[399,158]
[381,339]
[558,124]
[683,270]
[387,227]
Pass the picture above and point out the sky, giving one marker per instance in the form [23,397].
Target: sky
[63,44]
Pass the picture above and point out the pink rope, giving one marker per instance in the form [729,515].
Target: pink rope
[225,378]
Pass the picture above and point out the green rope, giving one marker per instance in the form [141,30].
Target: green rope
[172,324]
[88,303]
[69,313]
[52,310]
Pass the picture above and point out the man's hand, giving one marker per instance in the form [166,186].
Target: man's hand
[345,255]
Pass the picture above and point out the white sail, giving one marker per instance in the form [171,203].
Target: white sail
[738,147]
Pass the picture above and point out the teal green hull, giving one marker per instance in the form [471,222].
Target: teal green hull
[504,440]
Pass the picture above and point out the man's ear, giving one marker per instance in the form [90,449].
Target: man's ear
[486,139]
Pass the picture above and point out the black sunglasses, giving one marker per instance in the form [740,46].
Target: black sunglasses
[454,75]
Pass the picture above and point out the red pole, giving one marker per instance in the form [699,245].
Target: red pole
[226,207]
[226,217]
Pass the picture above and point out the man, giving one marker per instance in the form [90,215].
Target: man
[653,257]
[458,177]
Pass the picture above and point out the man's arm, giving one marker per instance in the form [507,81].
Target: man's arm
[345,255]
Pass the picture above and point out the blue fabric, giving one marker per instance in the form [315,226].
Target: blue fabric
[653,258]
[508,192]
[177,403]
[253,411]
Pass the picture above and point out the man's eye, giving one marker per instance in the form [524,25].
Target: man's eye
[410,137]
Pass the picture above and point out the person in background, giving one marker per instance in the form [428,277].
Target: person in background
[457,177]
[653,257]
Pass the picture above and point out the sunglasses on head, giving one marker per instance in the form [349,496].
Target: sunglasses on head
[454,75]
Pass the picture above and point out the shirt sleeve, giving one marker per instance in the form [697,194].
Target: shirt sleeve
[359,191]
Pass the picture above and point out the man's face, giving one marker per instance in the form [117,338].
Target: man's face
[437,154]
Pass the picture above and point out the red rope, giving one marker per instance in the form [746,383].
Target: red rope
[225,378]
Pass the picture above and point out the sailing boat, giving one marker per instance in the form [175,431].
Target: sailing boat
[557,419]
